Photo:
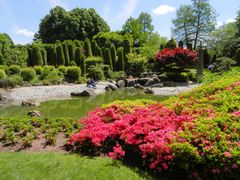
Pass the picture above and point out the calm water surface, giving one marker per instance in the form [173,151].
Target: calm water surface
[78,107]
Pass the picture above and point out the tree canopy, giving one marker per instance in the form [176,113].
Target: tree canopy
[79,23]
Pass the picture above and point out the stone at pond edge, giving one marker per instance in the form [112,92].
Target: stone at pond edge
[148,90]
[34,113]
[30,102]
[88,92]
[138,86]
[152,81]
[121,84]
[110,87]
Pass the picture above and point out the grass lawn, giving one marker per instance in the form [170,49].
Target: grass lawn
[22,165]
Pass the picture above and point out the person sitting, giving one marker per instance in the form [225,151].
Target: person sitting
[91,83]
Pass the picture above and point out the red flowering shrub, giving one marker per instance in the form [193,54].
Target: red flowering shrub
[145,132]
[176,59]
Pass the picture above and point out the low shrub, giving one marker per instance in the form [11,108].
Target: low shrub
[73,73]
[135,65]
[28,74]
[223,64]
[72,63]
[117,75]
[93,61]
[178,77]
[62,69]
[82,80]
[38,70]
[2,74]
[14,70]
[14,80]
[96,72]
[53,77]
[46,71]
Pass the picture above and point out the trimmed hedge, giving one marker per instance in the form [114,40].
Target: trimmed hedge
[28,74]
[73,73]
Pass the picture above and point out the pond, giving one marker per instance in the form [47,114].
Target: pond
[78,107]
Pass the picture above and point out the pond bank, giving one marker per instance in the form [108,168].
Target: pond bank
[46,93]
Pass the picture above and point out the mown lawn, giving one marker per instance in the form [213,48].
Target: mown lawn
[25,166]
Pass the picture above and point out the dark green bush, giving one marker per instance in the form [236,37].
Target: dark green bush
[93,61]
[14,80]
[53,77]
[96,72]
[117,75]
[62,69]
[135,65]
[178,76]
[38,70]
[113,57]
[120,62]
[72,63]
[87,47]
[73,73]
[46,71]
[2,74]
[14,69]
[223,64]
[37,56]
[60,55]
[28,74]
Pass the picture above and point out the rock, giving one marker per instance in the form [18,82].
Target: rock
[111,87]
[88,92]
[131,82]
[169,84]
[121,83]
[159,85]
[34,113]
[30,102]
[152,81]
[138,86]
[142,81]
[4,97]
[148,90]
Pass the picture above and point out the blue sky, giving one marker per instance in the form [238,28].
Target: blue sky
[20,18]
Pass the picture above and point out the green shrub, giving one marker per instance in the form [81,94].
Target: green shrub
[28,74]
[87,47]
[14,80]
[2,74]
[107,71]
[72,63]
[38,70]
[14,70]
[135,65]
[62,69]
[60,55]
[53,77]
[237,56]
[117,75]
[96,72]
[82,80]
[107,57]
[113,57]
[73,73]
[223,64]
[37,56]
[46,71]
[66,54]
[93,61]
[120,62]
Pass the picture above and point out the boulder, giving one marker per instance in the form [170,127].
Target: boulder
[152,81]
[131,82]
[138,86]
[4,97]
[30,102]
[110,87]
[121,83]
[34,113]
[148,90]
[159,85]
[142,81]
[88,92]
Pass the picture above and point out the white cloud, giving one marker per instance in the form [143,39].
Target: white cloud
[25,32]
[219,24]
[163,9]
[62,3]
[230,20]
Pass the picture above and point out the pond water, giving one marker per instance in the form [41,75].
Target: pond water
[78,107]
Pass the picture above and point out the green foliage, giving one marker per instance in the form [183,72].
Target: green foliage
[46,71]
[5,39]
[14,69]
[28,74]
[53,77]
[62,69]
[136,65]
[178,76]
[223,64]
[93,61]
[171,44]
[96,50]
[73,73]
[87,47]
[60,55]
[72,63]
[52,55]
[113,57]
[237,56]
[107,58]
[66,54]
[37,56]
[71,50]
[44,56]
[1,58]
[2,74]
[120,62]
[14,80]
[78,23]
[38,70]
[96,72]
[78,56]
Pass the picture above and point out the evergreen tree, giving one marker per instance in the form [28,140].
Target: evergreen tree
[60,55]
[44,56]
[66,54]
[87,47]
[83,65]
[95,49]
[30,62]
[37,56]
[237,57]
[78,56]
[120,62]
[71,50]
[1,58]
[108,58]
[113,56]
[52,55]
